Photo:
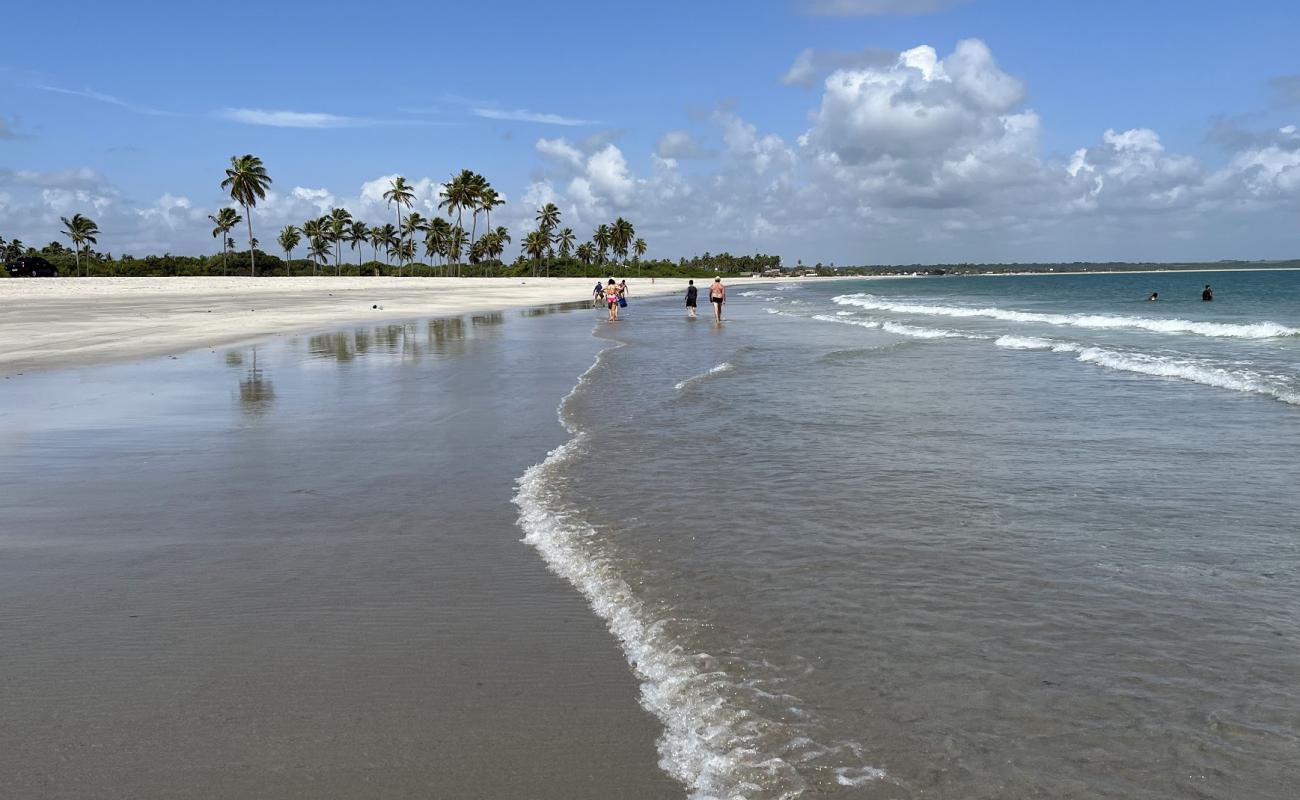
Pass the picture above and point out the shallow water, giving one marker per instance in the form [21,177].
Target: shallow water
[958,538]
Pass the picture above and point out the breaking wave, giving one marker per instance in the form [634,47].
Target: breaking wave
[1255,330]
[725,366]
[1163,366]
[711,743]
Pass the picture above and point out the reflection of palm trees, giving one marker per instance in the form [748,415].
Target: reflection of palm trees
[488,320]
[336,346]
[256,394]
[446,334]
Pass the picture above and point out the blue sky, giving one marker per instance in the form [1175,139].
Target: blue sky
[130,113]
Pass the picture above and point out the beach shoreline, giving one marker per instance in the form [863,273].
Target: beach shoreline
[50,323]
[351,608]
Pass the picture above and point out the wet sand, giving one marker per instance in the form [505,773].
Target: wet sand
[47,322]
[293,570]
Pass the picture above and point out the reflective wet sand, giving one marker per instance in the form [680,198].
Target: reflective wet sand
[293,571]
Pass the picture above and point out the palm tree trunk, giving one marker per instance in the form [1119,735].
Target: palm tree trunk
[399,233]
[252,257]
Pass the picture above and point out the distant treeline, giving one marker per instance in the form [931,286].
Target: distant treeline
[237,263]
[1074,266]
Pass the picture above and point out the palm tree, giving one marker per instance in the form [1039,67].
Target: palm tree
[225,221]
[535,245]
[247,182]
[80,229]
[432,243]
[500,237]
[289,239]
[340,223]
[488,200]
[313,229]
[477,186]
[358,235]
[620,237]
[375,234]
[400,194]
[413,224]
[406,250]
[586,253]
[436,234]
[639,248]
[320,251]
[459,194]
[387,238]
[456,241]
[601,238]
[548,216]
[565,240]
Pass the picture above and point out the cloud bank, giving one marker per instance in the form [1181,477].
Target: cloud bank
[915,157]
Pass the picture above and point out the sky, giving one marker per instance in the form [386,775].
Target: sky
[833,131]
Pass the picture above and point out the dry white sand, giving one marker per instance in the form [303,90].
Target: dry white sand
[64,322]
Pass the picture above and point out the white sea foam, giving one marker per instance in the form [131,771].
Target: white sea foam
[709,744]
[1163,366]
[1255,330]
[725,366]
[861,323]
[927,333]
[1196,371]
[1024,342]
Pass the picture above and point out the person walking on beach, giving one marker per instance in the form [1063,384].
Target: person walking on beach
[717,296]
[611,300]
[692,292]
[598,295]
[1207,295]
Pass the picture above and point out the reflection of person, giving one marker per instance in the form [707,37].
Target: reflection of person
[611,300]
[717,296]
[1208,294]
[1154,296]
[692,291]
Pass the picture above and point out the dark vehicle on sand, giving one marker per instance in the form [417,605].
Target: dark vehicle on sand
[31,267]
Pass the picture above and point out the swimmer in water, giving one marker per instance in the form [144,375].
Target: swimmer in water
[1154,296]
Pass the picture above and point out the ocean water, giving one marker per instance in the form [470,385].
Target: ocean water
[984,537]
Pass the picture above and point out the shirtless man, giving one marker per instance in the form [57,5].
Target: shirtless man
[717,296]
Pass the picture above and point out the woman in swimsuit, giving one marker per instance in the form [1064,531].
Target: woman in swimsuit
[611,300]
[718,296]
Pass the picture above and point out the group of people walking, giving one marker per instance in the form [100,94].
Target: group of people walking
[614,296]
[717,296]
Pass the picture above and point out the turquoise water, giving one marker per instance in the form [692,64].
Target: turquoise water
[980,537]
